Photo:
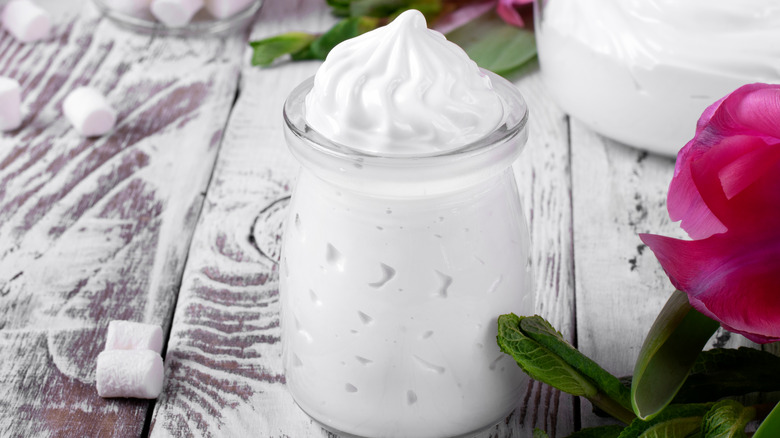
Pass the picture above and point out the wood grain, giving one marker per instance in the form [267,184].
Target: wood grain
[617,192]
[98,229]
[544,184]
[224,375]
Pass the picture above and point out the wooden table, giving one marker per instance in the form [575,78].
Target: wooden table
[175,218]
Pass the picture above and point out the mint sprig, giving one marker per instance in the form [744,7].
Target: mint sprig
[267,50]
[543,353]
[727,419]
[302,46]
[724,372]
[676,421]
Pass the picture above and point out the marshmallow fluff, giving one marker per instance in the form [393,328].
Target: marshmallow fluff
[175,13]
[130,335]
[26,21]
[402,89]
[643,71]
[89,112]
[10,104]
[405,239]
[129,373]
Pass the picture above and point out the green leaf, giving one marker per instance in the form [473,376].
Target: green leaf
[670,349]
[726,419]
[723,372]
[339,8]
[676,421]
[539,362]
[267,50]
[495,45]
[611,431]
[544,355]
[539,433]
[391,8]
[342,31]
[770,427]
[542,332]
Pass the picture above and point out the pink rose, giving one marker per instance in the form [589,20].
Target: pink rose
[507,10]
[726,192]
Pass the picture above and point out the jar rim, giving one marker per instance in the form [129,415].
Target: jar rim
[513,122]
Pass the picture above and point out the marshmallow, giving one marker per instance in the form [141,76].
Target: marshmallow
[175,13]
[26,21]
[138,8]
[10,104]
[89,112]
[129,335]
[129,373]
[226,8]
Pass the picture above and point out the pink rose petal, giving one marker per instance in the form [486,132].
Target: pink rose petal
[733,281]
[726,193]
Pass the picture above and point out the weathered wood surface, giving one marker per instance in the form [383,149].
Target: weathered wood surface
[224,372]
[98,229]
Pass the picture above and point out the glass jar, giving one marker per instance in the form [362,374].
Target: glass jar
[393,273]
[642,71]
[136,16]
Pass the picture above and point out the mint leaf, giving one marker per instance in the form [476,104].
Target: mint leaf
[391,8]
[544,355]
[538,362]
[339,8]
[539,433]
[675,421]
[267,50]
[342,31]
[723,372]
[726,372]
[611,431]
[670,349]
[726,419]
[495,45]
[306,46]
[542,332]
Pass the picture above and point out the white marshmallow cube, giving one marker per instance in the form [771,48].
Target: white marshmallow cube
[129,335]
[129,373]
[175,13]
[10,104]
[26,21]
[89,112]
[226,8]
[138,8]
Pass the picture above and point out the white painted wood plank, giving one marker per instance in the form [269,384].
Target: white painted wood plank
[224,372]
[544,184]
[98,229]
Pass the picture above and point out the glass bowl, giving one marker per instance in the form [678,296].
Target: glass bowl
[203,23]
